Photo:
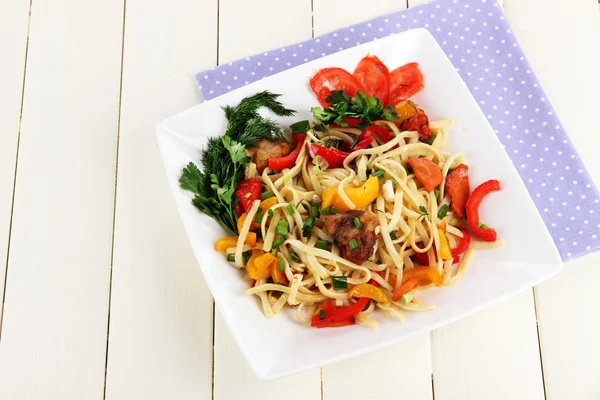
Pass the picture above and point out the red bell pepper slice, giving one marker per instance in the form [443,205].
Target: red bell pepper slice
[338,324]
[239,209]
[381,132]
[247,191]
[478,229]
[334,314]
[363,141]
[334,157]
[279,163]
[457,187]
[462,246]
[426,172]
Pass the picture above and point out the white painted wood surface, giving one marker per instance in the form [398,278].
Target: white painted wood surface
[159,329]
[53,342]
[160,338]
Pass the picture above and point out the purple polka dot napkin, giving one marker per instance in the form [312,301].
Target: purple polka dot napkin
[482,47]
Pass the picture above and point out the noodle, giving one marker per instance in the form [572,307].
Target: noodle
[404,213]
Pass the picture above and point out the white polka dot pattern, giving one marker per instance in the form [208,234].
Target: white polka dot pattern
[482,47]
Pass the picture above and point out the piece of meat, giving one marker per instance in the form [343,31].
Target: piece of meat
[342,228]
[266,149]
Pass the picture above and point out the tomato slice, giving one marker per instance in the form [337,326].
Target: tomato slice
[329,79]
[405,81]
[375,77]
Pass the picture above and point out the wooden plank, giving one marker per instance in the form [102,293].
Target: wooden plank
[14,22]
[230,363]
[53,341]
[491,355]
[279,31]
[346,380]
[281,23]
[161,322]
[569,330]
[327,15]
[567,67]
[401,371]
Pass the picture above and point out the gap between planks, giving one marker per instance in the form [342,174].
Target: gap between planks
[14,186]
[112,239]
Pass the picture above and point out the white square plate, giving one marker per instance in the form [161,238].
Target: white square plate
[528,257]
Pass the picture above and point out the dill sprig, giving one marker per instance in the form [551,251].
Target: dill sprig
[224,158]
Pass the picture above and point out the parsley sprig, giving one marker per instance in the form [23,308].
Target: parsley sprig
[368,109]
[224,158]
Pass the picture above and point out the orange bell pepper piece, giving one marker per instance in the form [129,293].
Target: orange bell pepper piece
[405,288]
[369,291]
[277,275]
[231,241]
[444,248]
[425,273]
[426,172]
[257,266]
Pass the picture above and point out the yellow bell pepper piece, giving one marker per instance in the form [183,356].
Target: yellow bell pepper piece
[370,291]
[444,248]
[231,241]
[267,203]
[442,226]
[257,270]
[242,219]
[361,196]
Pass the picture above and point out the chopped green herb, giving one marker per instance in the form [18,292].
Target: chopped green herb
[436,192]
[379,262]
[266,195]
[393,235]
[277,242]
[321,128]
[280,264]
[424,213]
[270,212]
[379,173]
[482,225]
[308,225]
[282,228]
[291,209]
[231,257]
[258,218]
[247,195]
[407,298]
[322,244]
[357,223]
[314,209]
[322,314]
[245,256]
[443,211]
[430,140]
[300,127]
[329,210]
[339,282]
[353,244]
[294,257]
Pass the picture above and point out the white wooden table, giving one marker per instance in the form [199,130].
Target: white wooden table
[102,295]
